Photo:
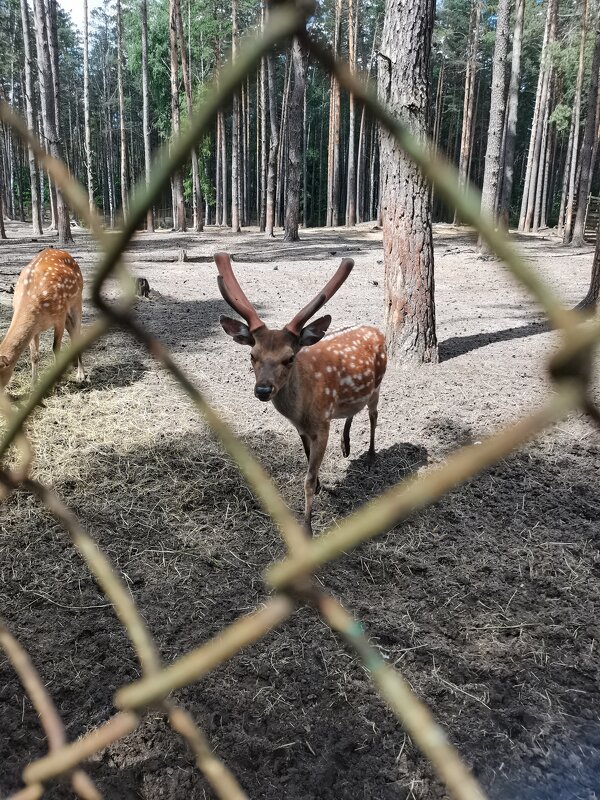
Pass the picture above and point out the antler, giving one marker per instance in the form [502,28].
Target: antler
[233,294]
[344,269]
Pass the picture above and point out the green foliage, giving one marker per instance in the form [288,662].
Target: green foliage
[561,117]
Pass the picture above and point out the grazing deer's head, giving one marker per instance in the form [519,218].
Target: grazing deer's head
[273,351]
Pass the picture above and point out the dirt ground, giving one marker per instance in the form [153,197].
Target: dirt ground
[489,602]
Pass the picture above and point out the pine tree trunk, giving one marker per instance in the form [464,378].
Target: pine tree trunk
[538,215]
[529,184]
[536,172]
[86,105]
[282,148]
[263,146]
[333,149]
[146,108]
[2,229]
[294,129]
[511,118]
[198,221]
[223,176]
[245,134]
[587,147]
[273,148]
[179,221]
[405,197]
[361,169]
[46,82]
[306,129]
[590,301]
[496,123]
[469,97]
[121,96]
[235,132]
[577,117]
[565,182]
[320,182]
[218,187]
[36,214]
[353,12]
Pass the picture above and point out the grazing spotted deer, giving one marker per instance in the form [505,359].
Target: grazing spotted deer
[47,295]
[311,378]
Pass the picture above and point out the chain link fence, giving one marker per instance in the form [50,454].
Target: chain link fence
[290,581]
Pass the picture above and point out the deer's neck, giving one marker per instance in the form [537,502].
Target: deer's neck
[16,340]
[288,401]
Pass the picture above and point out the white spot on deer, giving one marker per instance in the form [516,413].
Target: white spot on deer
[328,369]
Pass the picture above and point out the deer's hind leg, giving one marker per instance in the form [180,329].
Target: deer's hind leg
[59,330]
[73,323]
[372,406]
[346,437]
[34,352]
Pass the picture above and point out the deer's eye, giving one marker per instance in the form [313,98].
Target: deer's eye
[289,361]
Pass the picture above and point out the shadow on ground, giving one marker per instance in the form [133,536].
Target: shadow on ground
[461,345]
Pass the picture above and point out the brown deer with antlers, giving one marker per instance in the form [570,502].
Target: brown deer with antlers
[311,378]
[48,294]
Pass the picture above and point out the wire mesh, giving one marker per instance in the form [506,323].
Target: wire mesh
[291,580]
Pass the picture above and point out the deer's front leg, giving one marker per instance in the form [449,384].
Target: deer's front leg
[306,445]
[317,445]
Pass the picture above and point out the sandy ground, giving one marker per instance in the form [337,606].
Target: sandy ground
[488,602]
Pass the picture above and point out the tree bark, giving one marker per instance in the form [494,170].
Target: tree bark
[146,108]
[218,188]
[2,229]
[577,118]
[263,146]
[86,105]
[405,196]
[469,98]
[46,81]
[565,182]
[536,172]
[496,123]
[333,160]
[529,184]
[273,148]
[179,221]
[235,132]
[198,221]
[36,213]
[223,176]
[121,96]
[590,301]
[539,216]
[353,11]
[587,147]
[294,129]
[511,118]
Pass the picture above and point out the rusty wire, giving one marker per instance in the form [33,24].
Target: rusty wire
[291,579]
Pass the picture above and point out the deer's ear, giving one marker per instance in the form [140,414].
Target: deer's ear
[239,332]
[314,332]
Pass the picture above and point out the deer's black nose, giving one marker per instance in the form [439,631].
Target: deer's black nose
[263,392]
